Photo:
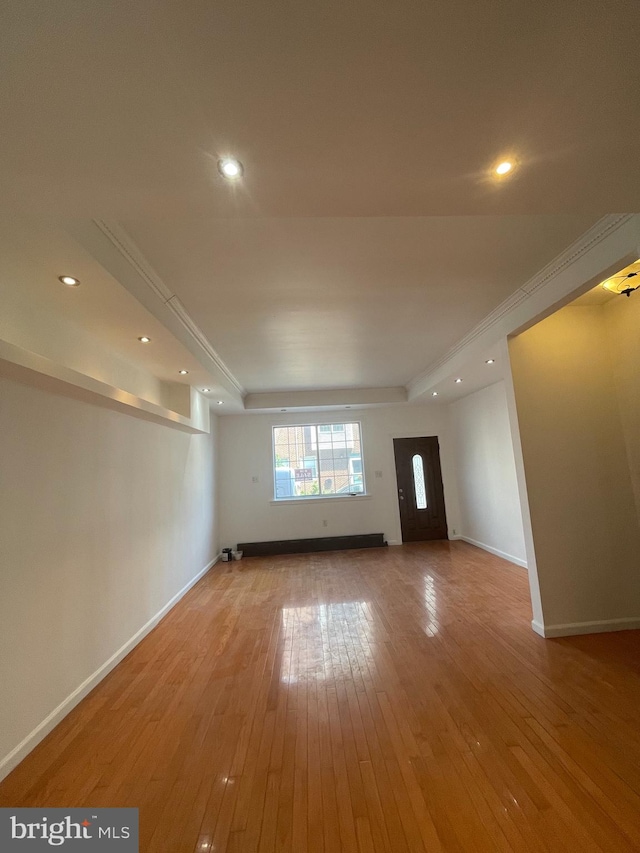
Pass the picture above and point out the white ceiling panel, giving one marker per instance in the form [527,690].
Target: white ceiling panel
[368,234]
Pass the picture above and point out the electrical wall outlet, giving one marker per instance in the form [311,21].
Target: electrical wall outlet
[325,523]
[254,479]
[378,474]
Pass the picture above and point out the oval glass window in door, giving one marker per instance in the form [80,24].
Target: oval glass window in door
[418,482]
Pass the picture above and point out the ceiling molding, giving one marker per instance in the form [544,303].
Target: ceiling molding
[118,237]
[546,278]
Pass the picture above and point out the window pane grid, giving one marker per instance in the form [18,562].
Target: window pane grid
[315,460]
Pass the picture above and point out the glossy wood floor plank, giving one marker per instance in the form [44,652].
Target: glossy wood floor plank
[378,701]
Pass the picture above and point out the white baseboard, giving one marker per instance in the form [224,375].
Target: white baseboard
[495,551]
[571,629]
[10,761]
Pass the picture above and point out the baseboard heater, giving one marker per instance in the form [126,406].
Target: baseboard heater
[307,546]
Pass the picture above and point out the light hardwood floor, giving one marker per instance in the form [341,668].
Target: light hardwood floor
[382,700]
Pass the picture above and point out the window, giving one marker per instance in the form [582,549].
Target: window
[418,482]
[317,460]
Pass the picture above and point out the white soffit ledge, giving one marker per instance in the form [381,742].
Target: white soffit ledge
[30,368]
[335,397]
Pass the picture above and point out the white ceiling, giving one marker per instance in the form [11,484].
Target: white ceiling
[367,235]
[346,302]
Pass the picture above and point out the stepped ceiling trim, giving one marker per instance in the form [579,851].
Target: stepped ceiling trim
[546,277]
[126,247]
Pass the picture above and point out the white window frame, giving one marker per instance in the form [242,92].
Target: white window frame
[343,436]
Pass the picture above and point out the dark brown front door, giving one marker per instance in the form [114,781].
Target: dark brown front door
[420,492]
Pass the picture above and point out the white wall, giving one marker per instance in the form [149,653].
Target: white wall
[104,518]
[581,502]
[490,514]
[622,320]
[248,512]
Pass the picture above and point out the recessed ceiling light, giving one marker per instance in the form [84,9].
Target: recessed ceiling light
[434,393]
[69,280]
[504,168]
[144,340]
[183,372]
[490,361]
[220,402]
[206,390]
[458,380]
[230,168]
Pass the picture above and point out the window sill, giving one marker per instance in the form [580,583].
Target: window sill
[322,498]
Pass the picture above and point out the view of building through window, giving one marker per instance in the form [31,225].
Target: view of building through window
[312,460]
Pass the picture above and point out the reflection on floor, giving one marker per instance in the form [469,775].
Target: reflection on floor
[379,700]
[314,641]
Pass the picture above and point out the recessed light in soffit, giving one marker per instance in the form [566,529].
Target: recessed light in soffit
[69,280]
[230,168]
